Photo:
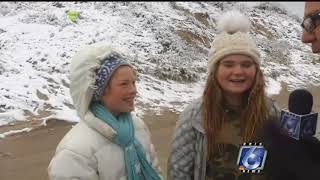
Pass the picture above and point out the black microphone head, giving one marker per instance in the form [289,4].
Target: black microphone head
[300,102]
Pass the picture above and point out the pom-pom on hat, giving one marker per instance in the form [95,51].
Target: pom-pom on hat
[233,38]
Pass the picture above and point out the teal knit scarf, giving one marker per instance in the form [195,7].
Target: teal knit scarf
[138,168]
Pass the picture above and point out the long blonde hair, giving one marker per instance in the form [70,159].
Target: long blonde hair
[255,112]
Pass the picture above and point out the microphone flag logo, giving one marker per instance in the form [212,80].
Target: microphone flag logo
[298,126]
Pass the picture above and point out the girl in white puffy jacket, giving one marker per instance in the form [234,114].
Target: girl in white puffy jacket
[108,143]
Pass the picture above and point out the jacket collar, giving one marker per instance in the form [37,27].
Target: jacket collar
[98,125]
[198,120]
[197,116]
[104,129]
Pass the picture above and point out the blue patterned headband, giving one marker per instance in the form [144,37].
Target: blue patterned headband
[108,67]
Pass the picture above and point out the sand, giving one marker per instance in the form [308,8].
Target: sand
[26,156]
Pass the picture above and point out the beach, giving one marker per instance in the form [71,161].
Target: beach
[27,155]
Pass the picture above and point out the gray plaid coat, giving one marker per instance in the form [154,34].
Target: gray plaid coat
[188,157]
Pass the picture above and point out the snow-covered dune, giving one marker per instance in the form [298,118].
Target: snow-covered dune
[168,43]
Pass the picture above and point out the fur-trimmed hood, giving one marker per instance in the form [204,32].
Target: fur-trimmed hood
[83,74]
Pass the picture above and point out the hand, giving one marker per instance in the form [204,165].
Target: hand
[289,158]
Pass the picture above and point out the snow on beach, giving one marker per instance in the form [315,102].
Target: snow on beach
[168,43]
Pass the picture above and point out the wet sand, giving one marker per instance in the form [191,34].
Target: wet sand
[27,155]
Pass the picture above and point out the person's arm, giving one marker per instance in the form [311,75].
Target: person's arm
[289,158]
[67,165]
[181,158]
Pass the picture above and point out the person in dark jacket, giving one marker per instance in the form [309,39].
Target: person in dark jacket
[289,158]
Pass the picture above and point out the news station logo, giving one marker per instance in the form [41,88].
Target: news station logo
[251,158]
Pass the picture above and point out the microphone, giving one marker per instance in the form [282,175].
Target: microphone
[299,122]
[293,151]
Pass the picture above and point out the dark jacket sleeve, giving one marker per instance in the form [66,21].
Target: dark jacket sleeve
[289,158]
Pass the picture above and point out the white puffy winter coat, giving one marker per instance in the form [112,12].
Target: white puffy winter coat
[87,151]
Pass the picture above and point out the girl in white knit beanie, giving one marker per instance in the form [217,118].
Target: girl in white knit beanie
[231,111]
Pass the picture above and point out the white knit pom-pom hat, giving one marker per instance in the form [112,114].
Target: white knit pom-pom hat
[234,38]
